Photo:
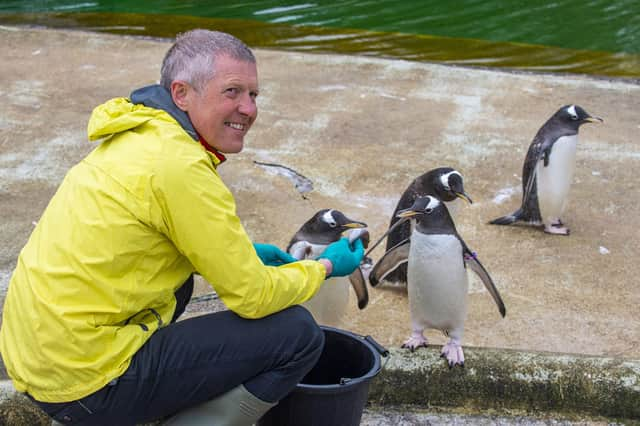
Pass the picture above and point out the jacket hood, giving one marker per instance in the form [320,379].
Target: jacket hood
[121,114]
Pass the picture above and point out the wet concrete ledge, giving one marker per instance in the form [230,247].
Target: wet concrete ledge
[504,381]
[493,382]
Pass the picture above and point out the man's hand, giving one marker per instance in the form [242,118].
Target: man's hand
[344,257]
[272,255]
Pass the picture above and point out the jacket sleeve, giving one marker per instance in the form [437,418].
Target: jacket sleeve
[198,214]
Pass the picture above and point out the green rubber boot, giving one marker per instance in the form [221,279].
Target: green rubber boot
[238,407]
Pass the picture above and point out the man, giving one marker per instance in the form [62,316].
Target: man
[89,329]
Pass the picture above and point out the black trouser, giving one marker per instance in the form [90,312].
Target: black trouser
[195,360]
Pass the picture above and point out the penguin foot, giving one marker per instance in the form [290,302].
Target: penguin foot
[557,228]
[452,352]
[414,342]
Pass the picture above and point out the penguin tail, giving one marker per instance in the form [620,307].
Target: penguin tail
[508,219]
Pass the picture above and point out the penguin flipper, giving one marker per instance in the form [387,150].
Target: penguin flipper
[400,234]
[472,261]
[538,151]
[394,257]
[359,285]
[528,211]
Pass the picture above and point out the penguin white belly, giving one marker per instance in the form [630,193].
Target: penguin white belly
[554,181]
[330,303]
[437,282]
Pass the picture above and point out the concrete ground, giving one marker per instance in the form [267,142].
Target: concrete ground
[361,129]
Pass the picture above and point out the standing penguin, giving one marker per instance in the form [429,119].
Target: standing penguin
[437,280]
[329,304]
[444,183]
[548,171]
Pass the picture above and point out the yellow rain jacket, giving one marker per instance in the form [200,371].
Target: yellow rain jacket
[125,229]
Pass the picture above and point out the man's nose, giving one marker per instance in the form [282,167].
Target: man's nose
[248,106]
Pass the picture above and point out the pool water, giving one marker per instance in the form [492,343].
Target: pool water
[591,37]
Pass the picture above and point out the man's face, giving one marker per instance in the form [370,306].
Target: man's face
[224,111]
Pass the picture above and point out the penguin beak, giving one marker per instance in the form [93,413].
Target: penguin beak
[594,120]
[406,214]
[464,196]
[354,225]
[350,228]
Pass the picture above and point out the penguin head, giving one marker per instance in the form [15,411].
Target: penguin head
[450,186]
[422,206]
[327,226]
[431,216]
[574,116]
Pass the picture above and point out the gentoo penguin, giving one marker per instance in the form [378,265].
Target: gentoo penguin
[437,280]
[325,227]
[548,171]
[444,183]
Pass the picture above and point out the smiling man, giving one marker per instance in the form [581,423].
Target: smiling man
[89,327]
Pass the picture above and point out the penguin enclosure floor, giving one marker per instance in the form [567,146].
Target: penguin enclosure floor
[361,130]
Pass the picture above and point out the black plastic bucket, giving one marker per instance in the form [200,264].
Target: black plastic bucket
[335,391]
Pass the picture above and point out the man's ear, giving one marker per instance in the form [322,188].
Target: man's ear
[180,94]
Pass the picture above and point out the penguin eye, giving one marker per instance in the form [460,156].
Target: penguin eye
[428,211]
[332,224]
[572,112]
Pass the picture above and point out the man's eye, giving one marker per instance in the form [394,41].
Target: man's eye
[232,91]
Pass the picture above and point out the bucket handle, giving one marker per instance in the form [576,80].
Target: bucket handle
[377,346]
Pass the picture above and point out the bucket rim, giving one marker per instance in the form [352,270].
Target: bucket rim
[373,371]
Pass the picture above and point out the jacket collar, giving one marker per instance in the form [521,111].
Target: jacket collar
[220,156]
[158,97]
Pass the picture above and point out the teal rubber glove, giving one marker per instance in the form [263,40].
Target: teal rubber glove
[272,255]
[344,257]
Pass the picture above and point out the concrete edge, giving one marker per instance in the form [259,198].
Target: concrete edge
[498,381]
[502,381]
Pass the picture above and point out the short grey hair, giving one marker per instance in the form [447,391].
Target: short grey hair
[192,57]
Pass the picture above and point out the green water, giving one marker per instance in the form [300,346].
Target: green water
[593,37]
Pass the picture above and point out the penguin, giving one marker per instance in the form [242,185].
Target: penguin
[437,282]
[446,184]
[330,303]
[547,172]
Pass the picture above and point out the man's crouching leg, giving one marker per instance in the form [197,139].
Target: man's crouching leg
[212,369]
[251,365]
